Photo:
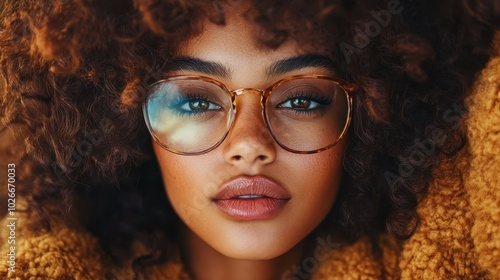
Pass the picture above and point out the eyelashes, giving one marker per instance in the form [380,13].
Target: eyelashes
[306,103]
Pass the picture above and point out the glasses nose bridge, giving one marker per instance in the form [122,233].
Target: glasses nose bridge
[240,91]
[237,92]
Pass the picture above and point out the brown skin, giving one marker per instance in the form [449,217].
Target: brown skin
[217,246]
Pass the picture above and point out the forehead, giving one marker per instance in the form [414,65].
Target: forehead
[235,46]
[238,37]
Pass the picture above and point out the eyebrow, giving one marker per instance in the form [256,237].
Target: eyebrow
[278,68]
[198,65]
[299,62]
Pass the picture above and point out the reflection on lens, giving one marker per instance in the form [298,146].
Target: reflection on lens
[188,115]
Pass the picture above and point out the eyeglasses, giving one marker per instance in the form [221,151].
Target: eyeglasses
[192,115]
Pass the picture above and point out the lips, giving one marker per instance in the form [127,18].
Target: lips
[251,198]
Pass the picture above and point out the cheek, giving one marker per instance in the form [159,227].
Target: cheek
[190,181]
[185,187]
[316,180]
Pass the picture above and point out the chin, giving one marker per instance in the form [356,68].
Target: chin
[262,253]
[263,246]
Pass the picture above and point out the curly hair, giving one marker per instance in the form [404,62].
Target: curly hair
[76,73]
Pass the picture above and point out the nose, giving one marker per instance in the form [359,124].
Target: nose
[249,144]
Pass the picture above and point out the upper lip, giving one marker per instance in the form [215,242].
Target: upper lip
[245,185]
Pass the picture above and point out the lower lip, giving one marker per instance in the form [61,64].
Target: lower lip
[252,208]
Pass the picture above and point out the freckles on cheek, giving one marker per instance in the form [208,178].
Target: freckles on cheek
[177,178]
[187,180]
[180,188]
[324,166]
[323,173]
[171,170]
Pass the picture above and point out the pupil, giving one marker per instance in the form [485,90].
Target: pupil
[301,103]
[198,105]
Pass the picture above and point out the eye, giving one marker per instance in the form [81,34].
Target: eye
[299,103]
[199,105]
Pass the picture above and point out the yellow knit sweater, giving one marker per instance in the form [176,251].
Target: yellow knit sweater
[459,237]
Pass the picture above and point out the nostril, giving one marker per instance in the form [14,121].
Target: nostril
[237,157]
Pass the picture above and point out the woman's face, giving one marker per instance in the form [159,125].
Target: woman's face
[303,187]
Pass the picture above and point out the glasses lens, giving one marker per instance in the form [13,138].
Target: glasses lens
[307,114]
[188,115]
